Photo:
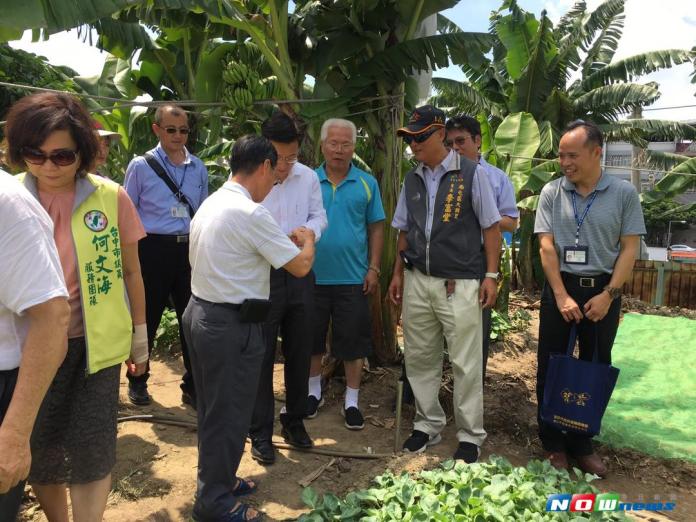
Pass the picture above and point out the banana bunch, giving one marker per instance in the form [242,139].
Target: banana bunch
[235,73]
[243,86]
[238,98]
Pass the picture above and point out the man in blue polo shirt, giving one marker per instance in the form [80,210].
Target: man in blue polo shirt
[464,136]
[166,216]
[347,265]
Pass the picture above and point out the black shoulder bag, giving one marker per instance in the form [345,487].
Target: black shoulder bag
[159,170]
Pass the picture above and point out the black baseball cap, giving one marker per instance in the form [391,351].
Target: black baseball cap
[422,120]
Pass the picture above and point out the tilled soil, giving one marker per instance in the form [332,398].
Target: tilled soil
[155,476]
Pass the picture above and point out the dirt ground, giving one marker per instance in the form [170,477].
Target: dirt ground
[155,476]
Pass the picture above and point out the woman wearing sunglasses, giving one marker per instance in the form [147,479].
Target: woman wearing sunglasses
[96,229]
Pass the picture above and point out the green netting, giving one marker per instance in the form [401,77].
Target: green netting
[653,408]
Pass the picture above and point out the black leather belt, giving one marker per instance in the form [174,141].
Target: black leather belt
[181,238]
[595,281]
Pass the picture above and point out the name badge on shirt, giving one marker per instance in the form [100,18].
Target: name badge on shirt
[575,255]
[179,211]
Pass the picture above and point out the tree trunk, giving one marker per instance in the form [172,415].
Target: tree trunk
[387,169]
[525,265]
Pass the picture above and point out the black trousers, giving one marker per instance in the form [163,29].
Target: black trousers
[554,334]
[292,315]
[10,501]
[166,274]
[226,356]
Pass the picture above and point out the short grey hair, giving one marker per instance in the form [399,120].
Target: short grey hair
[338,122]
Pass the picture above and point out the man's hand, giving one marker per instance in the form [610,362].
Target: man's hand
[16,459]
[396,288]
[371,282]
[488,292]
[569,308]
[300,235]
[597,307]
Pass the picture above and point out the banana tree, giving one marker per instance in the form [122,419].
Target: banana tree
[556,75]
[563,73]
[516,141]
[20,67]
[360,54]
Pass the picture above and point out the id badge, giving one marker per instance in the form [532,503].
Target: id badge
[575,255]
[179,211]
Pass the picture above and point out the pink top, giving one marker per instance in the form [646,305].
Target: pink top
[59,207]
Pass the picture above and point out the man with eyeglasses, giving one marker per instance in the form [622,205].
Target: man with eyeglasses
[295,204]
[167,185]
[446,205]
[347,266]
[464,136]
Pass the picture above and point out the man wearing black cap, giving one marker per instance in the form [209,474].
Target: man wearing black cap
[445,206]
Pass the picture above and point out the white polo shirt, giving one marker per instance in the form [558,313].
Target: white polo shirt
[30,271]
[233,244]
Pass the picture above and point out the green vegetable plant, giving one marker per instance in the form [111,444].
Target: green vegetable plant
[495,490]
[168,330]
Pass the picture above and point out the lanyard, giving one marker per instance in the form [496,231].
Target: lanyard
[173,176]
[581,220]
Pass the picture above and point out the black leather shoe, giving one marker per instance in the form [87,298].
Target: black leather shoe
[262,451]
[137,393]
[294,433]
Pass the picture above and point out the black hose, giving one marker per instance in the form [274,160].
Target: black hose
[178,421]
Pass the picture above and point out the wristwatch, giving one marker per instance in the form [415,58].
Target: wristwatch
[492,275]
[613,292]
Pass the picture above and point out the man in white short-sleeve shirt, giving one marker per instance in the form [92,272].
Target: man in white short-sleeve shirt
[233,244]
[34,315]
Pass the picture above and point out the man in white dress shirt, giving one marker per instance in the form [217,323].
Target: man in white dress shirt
[296,205]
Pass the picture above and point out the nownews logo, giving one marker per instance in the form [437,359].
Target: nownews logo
[584,502]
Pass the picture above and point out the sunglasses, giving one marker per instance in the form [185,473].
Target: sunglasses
[173,130]
[419,138]
[60,157]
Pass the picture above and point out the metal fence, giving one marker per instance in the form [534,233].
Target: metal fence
[668,283]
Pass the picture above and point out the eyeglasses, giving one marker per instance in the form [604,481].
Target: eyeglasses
[419,138]
[60,157]
[290,160]
[173,130]
[459,140]
[339,147]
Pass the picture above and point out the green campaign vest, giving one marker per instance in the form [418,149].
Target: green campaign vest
[106,316]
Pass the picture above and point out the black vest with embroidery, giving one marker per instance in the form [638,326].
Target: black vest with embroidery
[453,250]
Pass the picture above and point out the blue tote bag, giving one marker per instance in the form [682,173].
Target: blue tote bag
[577,392]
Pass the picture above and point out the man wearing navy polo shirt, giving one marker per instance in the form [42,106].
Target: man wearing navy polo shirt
[167,218]
[346,266]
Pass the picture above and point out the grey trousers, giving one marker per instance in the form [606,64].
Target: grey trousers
[226,357]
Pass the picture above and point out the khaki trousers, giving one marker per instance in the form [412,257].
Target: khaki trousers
[428,315]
